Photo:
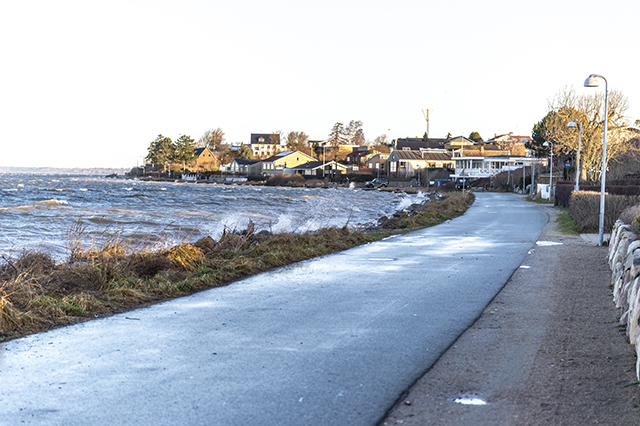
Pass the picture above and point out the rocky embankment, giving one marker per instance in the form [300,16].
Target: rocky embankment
[624,259]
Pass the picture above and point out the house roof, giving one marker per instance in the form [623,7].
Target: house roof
[243,162]
[417,143]
[283,154]
[418,155]
[198,151]
[311,165]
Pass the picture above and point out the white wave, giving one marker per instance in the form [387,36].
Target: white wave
[404,203]
[20,185]
[52,202]
[10,190]
[83,190]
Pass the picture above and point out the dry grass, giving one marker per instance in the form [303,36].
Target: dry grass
[37,294]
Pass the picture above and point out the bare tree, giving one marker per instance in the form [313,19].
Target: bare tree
[354,134]
[589,110]
[381,144]
[298,141]
[211,139]
[336,137]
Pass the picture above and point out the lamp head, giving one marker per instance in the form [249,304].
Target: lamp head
[547,143]
[572,124]
[591,81]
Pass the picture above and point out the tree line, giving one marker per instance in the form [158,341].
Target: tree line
[164,151]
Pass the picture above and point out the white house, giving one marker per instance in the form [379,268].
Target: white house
[484,167]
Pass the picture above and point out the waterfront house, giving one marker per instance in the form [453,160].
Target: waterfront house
[281,163]
[244,167]
[360,155]
[320,168]
[378,163]
[204,159]
[406,163]
[483,167]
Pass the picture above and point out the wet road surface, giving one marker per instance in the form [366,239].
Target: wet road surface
[332,341]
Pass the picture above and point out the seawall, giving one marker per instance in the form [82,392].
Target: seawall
[624,260]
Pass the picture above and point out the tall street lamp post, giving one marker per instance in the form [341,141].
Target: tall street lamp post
[576,123]
[592,81]
[551,192]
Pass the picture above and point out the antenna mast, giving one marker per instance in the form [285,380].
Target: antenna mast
[425,112]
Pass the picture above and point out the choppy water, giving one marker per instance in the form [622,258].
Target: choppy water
[37,211]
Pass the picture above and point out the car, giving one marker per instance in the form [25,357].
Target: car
[463,183]
[377,183]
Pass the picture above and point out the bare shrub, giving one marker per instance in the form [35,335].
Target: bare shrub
[584,207]
[285,180]
[631,216]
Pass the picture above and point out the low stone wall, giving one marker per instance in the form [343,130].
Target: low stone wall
[624,259]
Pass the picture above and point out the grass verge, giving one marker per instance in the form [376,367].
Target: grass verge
[566,225]
[38,294]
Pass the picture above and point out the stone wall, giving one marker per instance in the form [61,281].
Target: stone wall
[624,259]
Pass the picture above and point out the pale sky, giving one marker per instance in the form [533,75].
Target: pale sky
[92,83]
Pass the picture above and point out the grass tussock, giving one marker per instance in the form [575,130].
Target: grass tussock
[36,293]
[443,208]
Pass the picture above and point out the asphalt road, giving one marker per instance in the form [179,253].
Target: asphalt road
[332,341]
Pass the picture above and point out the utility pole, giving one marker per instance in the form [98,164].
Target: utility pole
[425,112]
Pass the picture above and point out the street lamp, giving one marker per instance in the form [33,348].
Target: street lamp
[592,81]
[576,123]
[549,143]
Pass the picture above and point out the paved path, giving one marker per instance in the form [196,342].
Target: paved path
[332,341]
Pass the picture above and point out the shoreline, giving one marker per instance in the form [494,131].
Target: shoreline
[39,294]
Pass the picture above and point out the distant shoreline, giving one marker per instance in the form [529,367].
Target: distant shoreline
[101,171]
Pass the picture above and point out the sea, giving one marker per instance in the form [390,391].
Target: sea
[53,213]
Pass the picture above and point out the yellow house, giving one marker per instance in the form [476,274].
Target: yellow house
[276,164]
[204,160]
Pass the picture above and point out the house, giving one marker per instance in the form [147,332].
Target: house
[277,164]
[265,145]
[204,159]
[458,143]
[484,167]
[378,163]
[244,167]
[403,163]
[359,155]
[515,145]
[320,168]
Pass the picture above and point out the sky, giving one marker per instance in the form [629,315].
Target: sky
[91,83]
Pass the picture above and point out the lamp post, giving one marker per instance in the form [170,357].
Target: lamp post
[549,143]
[533,172]
[551,194]
[592,81]
[576,123]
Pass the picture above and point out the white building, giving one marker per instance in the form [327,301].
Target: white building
[484,167]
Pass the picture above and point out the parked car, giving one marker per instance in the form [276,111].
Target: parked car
[463,183]
[377,183]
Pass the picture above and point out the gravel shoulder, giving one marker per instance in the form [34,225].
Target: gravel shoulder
[548,350]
